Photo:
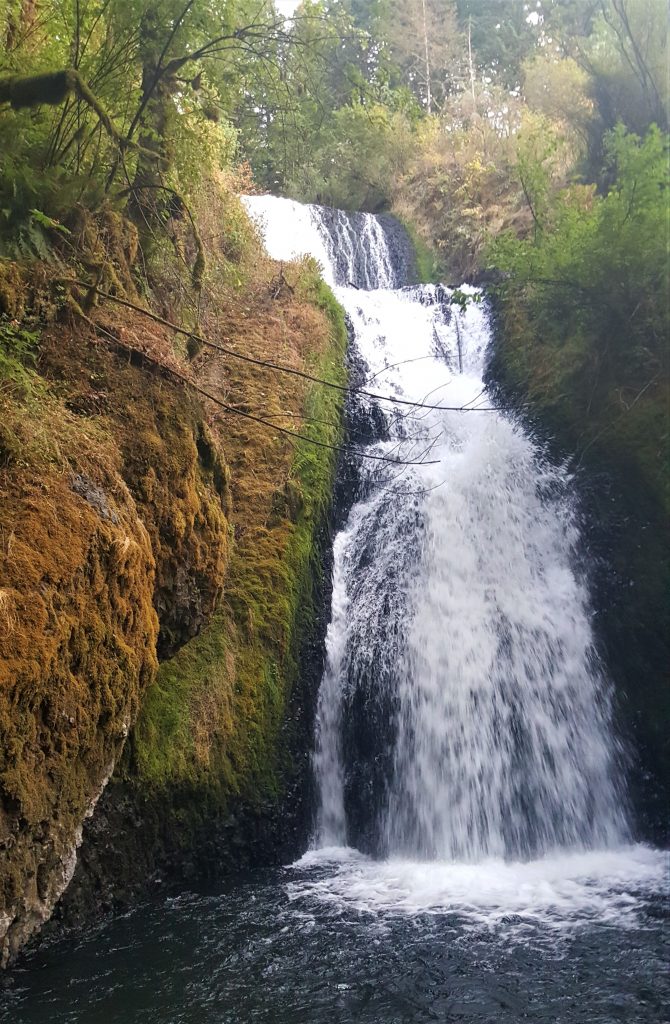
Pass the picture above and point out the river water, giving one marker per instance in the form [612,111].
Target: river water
[472,857]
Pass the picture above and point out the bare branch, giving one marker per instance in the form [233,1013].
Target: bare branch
[91,287]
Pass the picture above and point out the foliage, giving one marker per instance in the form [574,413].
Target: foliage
[17,356]
[149,117]
[460,187]
[604,256]
[594,282]
[363,150]
[560,89]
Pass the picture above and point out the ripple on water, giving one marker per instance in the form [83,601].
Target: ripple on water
[559,893]
[338,938]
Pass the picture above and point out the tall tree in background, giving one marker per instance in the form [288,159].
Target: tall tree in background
[502,36]
[325,63]
[427,44]
[622,45]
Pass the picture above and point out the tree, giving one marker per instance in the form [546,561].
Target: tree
[427,45]
[363,151]
[623,45]
[114,96]
[559,88]
[501,34]
[597,266]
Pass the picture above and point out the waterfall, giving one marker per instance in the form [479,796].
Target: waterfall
[463,712]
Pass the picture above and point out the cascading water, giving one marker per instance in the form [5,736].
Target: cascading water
[462,713]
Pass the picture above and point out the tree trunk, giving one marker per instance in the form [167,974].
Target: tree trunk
[429,92]
[158,111]
[472,67]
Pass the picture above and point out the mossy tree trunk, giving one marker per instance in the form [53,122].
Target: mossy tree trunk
[155,116]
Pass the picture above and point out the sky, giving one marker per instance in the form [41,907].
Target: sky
[287,7]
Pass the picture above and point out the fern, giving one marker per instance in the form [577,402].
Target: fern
[18,348]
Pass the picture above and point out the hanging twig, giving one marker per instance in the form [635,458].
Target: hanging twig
[234,411]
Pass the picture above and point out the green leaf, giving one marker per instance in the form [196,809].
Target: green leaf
[49,222]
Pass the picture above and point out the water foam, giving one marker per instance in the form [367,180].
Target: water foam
[559,892]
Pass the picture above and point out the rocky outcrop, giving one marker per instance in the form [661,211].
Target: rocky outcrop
[113,549]
[163,605]
[215,775]
[78,651]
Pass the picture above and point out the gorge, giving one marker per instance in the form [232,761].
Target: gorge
[472,852]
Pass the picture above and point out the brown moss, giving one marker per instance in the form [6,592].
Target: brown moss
[12,291]
[180,486]
[171,465]
[78,651]
[113,524]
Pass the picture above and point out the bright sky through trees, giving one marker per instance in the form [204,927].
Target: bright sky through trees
[287,7]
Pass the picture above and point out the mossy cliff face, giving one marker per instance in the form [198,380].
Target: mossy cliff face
[78,644]
[164,584]
[619,454]
[215,773]
[114,544]
[171,464]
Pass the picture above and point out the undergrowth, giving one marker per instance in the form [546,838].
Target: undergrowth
[17,356]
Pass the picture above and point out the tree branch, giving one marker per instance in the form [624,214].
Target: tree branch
[278,367]
[51,90]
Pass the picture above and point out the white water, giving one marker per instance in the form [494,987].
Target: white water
[559,892]
[463,726]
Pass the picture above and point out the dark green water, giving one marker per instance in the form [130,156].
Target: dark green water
[347,940]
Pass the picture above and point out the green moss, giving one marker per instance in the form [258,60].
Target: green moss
[429,267]
[214,718]
[312,287]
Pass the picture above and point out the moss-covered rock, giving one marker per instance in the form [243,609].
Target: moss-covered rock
[163,532]
[114,545]
[215,772]
[171,464]
[77,652]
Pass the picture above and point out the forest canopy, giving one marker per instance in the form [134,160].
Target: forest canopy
[523,139]
[109,99]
